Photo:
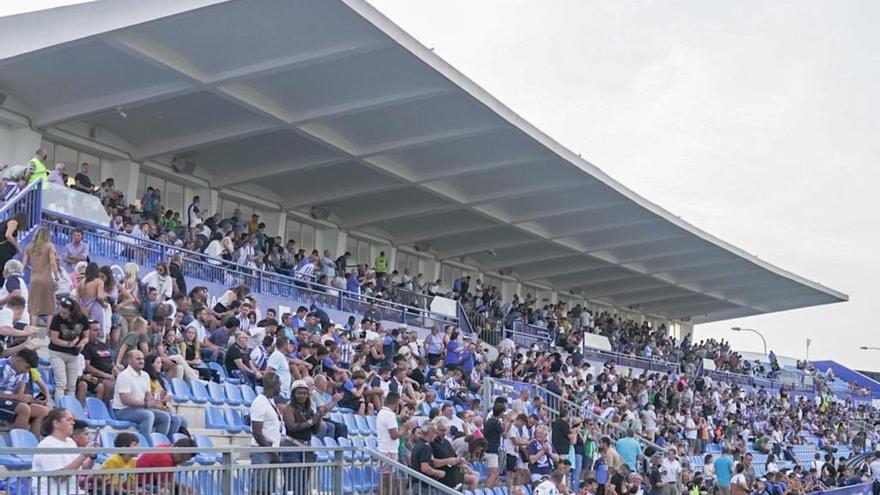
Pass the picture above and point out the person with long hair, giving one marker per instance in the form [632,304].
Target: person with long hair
[40,255]
[301,422]
[9,230]
[92,297]
[129,303]
[58,427]
[112,322]
[68,335]
[153,367]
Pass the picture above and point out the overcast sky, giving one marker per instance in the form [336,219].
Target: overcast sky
[756,121]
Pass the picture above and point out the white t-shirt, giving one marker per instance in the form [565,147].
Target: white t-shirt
[278,362]
[54,462]
[130,382]
[739,480]
[7,318]
[672,470]
[386,421]
[256,338]
[515,433]
[264,411]
[691,428]
[546,488]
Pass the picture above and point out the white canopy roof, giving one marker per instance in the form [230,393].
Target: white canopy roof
[326,103]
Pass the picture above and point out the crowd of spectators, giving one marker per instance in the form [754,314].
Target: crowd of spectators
[122,339]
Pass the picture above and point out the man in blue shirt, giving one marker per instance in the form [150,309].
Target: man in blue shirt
[724,472]
[299,319]
[629,449]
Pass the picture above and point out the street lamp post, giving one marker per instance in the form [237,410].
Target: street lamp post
[738,329]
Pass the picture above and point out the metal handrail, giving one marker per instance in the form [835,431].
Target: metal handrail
[235,270]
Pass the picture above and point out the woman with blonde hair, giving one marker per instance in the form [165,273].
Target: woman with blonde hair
[40,254]
[129,303]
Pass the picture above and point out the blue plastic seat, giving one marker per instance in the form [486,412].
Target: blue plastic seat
[107,438]
[499,491]
[71,404]
[359,480]
[144,441]
[180,390]
[224,376]
[206,459]
[234,418]
[177,436]
[347,481]
[159,439]
[371,422]
[48,377]
[372,443]
[248,394]
[98,410]
[348,453]
[217,395]
[349,421]
[214,420]
[371,476]
[359,446]
[321,454]
[233,394]
[12,462]
[336,417]
[23,439]
[199,392]
[363,426]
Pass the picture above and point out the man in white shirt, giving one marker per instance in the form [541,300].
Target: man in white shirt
[670,472]
[279,364]
[389,436]
[554,485]
[875,473]
[133,401]
[267,429]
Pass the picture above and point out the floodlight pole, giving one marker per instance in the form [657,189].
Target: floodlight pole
[738,329]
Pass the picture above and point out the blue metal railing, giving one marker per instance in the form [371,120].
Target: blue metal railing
[124,247]
[29,201]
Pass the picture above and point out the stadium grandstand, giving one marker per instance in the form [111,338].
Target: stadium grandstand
[282,247]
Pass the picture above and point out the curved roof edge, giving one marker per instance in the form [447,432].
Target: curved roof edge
[396,33]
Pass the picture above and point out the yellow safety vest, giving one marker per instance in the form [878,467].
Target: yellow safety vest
[40,171]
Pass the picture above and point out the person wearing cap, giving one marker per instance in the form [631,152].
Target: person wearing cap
[68,335]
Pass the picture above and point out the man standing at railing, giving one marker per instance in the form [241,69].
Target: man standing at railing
[389,435]
[76,250]
[36,168]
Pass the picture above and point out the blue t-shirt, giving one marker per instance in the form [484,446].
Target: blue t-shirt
[601,471]
[544,465]
[723,470]
[453,353]
[629,450]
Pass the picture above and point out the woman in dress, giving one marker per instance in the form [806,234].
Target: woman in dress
[92,297]
[112,322]
[129,303]
[40,254]
[9,230]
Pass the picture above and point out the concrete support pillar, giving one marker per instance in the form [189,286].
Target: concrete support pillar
[18,144]
[282,225]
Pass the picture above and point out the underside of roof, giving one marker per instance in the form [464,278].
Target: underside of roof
[328,104]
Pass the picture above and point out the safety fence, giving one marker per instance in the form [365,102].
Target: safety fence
[123,247]
[228,471]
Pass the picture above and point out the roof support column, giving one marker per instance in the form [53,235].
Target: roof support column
[18,144]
